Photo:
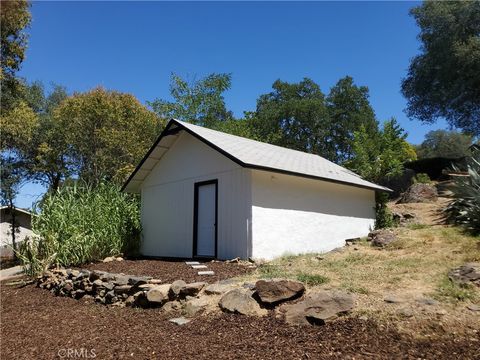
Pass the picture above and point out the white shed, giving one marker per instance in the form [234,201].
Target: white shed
[214,195]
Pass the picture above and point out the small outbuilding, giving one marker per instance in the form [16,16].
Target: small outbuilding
[209,194]
[22,228]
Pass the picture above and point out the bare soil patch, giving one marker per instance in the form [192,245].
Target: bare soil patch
[169,271]
[37,325]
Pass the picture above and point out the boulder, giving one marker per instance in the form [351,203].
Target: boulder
[382,237]
[318,308]
[195,306]
[121,280]
[218,288]
[176,287]
[172,306]
[419,193]
[240,301]
[159,294]
[191,289]
[278,290]
[468,273]
[108,259]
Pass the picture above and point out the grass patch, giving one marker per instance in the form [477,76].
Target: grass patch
[312,279]
[270,271]
[449,291]
[416,226]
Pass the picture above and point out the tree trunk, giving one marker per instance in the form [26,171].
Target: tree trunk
[13,226]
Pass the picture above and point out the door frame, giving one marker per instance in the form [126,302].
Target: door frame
[197,185]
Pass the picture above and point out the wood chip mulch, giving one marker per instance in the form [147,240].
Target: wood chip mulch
[37,325]
[169,271]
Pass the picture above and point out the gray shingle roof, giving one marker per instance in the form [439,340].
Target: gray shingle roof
[258,155]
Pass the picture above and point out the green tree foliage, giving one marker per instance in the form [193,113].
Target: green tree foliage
[292,115]
[444,80]
[443,143]
[381,156]
[300,117]
[14,19]
[349,110]
[465,208]
[79,224]
[106,132]
[199,102]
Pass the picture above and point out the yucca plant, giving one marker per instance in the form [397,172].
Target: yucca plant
[78,224]
[465,208]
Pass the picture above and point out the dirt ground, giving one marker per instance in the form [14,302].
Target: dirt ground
[37,325]
[169,271]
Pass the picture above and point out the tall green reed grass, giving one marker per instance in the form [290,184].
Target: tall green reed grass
[79,224]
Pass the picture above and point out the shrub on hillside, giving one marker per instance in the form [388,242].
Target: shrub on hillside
[78,224]
[422,178]
[465,208]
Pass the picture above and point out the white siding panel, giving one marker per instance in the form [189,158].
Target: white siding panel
[168,201]
[292,215]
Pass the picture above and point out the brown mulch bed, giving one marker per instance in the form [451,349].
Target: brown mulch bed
[37,325]
[169,271]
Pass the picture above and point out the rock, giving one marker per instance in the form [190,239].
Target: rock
[403,218]
[249,286]
[159,294]
[122,289]
[468,273]
[406,312]
[176,287]
[140,299]
[194,306]
[381,238]
[108,259]
[278,290]
[427,301]
[419,193]
[172,306]
[393,299]
[72,273]
[179,321]
[119,258]
[235,260]
[318,308]
[218,288]
[147,287]
[138,280]
[240,301]
[473,307]
[121,280]
[155,281]
[130,301]
[192,289]
[353,241]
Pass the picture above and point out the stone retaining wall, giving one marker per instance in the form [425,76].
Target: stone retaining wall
[229,296]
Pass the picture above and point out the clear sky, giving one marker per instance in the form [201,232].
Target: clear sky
[134,47]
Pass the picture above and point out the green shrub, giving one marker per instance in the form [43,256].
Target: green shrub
[79,224]
[465,208]
[383,215]
[422,178]
[312,279]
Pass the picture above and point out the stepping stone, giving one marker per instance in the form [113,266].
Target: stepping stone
[199,266]
[206,273]
[192,263]
[179,321]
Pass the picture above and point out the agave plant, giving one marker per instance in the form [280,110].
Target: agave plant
[465,208]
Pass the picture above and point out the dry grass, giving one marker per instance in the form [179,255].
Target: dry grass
[416,263]
[413,267]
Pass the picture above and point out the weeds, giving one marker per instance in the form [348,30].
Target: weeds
[312,279]
[450,291]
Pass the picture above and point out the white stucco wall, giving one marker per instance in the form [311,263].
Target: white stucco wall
[168,201]
[293,215]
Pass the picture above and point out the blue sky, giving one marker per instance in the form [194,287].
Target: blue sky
[134,47]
